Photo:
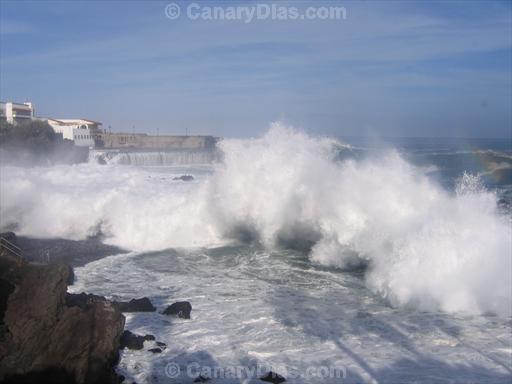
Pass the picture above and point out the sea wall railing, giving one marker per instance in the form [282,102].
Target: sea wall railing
[11,247]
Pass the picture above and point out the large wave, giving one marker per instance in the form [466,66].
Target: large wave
[424,246]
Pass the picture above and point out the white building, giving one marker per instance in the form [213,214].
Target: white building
[16,113]
[83,132]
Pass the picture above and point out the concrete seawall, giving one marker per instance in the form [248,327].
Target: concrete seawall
[141,141]
[151,157]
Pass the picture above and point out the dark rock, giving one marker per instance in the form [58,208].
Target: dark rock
[82,300]
[181,309]
[71,276]
[6,288]
[137,305]
[161,345]
[131,341]
[48,341]
[184,178]
[155,350]
[9,236]
[73,252]
[273,377]
[201,379]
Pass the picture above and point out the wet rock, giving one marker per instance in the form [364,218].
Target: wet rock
[51,336]
[181,309]
[184,178]
[273,377]
[149,338]
[131,341]
[81,300]
[161,345]
[155,350]
[137,305]
[71,276]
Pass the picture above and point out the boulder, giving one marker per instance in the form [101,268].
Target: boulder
[155,350]
[132,341]
[137,305]
[181,309]
[184,178]
[51,336]
[273,377]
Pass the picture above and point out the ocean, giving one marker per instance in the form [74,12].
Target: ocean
[324,260]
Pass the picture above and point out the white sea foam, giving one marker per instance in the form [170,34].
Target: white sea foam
[424,246]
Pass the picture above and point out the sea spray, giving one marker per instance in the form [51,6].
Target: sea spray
[423,246]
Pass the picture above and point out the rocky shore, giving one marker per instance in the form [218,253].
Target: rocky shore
[50,336]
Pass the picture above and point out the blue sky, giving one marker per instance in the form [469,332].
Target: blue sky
[400,68]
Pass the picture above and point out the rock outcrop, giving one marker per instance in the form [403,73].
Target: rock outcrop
[47,335]
[137,305]
[181,309]
[272,377]
[132,341]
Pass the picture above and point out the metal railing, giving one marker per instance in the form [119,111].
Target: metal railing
[11,247]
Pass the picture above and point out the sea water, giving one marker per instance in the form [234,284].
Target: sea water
[320,259]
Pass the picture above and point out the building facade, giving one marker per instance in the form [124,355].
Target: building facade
[82,132]
[16,113]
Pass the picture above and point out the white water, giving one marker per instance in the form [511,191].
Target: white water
[141,158]
[254,308]
[425,247]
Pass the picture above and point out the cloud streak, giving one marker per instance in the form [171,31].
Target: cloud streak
[384,57]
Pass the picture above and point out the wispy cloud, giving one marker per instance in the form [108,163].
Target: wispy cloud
[385,57]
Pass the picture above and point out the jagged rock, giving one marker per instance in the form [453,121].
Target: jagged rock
[51,336]
[137,305]
[161,345]
[71,276]
[132,341]
[82,300]
[155,350]
[184,178]
[273,377]
[181,309]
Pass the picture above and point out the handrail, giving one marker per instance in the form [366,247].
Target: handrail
[13,248]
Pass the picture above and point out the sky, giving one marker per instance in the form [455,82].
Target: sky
[398,68]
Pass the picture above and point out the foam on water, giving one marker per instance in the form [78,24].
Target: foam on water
[152,158]
[255,308]
[424,246]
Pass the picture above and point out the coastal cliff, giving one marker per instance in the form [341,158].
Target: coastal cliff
[48,335]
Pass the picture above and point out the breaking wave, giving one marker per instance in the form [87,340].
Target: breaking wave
[153,158]
[424,246]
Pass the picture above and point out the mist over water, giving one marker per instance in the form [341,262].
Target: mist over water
[422,245]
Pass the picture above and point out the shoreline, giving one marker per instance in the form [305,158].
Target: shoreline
[76,253]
